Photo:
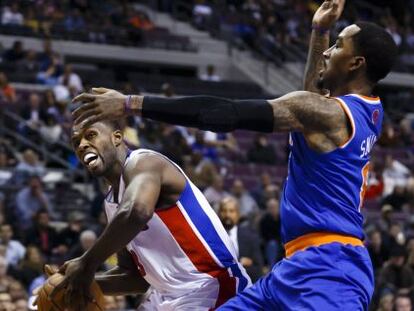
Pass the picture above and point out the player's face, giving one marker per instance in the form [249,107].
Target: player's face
[338,59]
[95,147]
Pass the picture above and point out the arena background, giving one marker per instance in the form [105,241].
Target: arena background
[51,210]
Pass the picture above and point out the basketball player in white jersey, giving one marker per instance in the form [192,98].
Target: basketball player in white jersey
[156,214]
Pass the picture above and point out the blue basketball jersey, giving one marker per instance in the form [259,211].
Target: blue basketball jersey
[324,191]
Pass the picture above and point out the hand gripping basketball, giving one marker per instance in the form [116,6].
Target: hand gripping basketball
[58,303]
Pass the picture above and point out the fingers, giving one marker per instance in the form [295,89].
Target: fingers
[91,120]
[87,114]
[49,270]
[80,110]
[100,90]
[58,288]
[84,97]
[36,291]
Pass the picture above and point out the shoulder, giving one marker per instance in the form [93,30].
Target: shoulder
[145,163]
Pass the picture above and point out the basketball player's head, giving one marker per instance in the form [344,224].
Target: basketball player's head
[363,51]
[97,146]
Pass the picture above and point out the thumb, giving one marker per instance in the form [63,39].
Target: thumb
[99,90]
[49,270]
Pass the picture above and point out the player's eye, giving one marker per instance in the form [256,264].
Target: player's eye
[90,135]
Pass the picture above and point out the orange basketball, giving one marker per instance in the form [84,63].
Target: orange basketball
[58,301]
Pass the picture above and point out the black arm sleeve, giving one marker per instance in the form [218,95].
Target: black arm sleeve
[211,113]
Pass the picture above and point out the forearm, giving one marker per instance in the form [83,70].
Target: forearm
[210,113]
[122,283]
[126,224]
[319,43]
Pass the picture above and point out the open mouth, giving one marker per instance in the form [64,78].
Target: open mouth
[90,159]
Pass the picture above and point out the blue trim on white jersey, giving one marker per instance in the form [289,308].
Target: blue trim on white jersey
[204,225]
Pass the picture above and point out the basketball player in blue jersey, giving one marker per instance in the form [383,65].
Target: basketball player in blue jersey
[333,127]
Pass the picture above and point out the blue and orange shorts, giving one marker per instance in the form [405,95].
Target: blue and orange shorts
[322,272]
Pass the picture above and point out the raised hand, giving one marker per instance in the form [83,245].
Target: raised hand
[328,13]
[101,104]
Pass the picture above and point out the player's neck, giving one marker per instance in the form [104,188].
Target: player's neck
[114,174]
[353,87]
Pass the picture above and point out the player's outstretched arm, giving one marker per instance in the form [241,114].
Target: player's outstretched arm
[296,111]
[323,20]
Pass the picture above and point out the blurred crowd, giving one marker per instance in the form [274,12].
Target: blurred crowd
[277,29]
[94,21]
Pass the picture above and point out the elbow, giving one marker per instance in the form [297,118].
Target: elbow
[137,213]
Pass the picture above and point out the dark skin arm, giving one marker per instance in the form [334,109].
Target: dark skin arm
[123,279]
[323,20]
[323,122]
[143,185]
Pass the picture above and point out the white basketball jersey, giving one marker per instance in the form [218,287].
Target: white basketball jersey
[185,245]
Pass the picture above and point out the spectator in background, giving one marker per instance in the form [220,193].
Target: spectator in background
[41,233]
[52,73]
[21,305]
[69,236]
[224,142]
[395,173]
[6,302]
[258,191]
[15,250]
[30,267]
[200,171]
[45,57]
[262,151]
[385,221]
[30,165]
[378,251]
[210,74]
[167,90]
[130,132]
[270,232]
[74,21]
[202,13]
[395,273]
[403,303]
[375,182]
[389,137]
[15,54]
[215,193]
[86,239]
[7,92]
[247,205]
[29,63]
[29,201]
[386,302]
[5,279]
[11,15]
[33,114]
[397,198]
[209,152]
[245,241]
[71,80]
[51,131]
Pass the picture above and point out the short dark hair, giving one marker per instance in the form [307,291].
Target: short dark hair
[114,124]
[378,47]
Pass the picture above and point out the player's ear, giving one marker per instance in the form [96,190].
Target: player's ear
[357,62]
[117,137]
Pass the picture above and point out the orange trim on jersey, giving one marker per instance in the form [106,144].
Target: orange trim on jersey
[319,238]
[350,117]
[369,97]
[185,236]
[364,186]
